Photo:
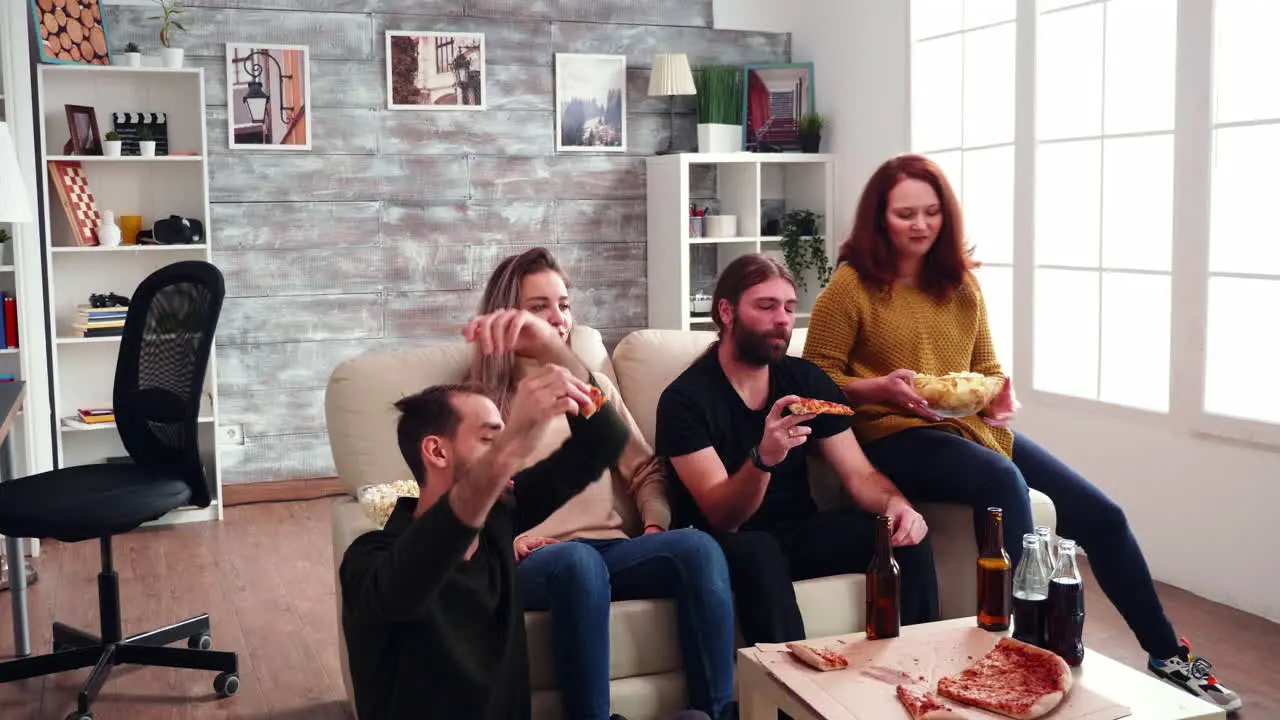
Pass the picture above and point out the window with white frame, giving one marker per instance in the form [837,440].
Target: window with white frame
[1244,257]
[1104,119]
[962,116]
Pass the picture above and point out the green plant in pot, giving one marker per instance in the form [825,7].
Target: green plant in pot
[111,144]
[146,142]
[803,249]
[810,129]
[132,55]
[719,108]
[170,26]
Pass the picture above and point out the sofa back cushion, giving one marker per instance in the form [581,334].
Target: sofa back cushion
[359,402]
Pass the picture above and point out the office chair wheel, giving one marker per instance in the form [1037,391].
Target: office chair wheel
[77,715]
[225,685]
[200,642]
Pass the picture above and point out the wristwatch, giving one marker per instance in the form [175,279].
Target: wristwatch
[755,460]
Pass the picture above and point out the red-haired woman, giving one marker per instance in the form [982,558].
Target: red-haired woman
[903,300]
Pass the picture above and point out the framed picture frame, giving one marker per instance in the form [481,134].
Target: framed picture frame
[774,98]
[591,103]
[268,96]
[82,122]
[75,35]
[453,78]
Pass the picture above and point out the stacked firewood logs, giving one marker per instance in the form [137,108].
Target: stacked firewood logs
[72,30]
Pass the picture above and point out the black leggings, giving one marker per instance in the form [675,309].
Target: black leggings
[762,566]
[932,465]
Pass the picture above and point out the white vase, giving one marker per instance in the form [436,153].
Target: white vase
[717,138]
[133,59]
[108,232]
[172,57]
[111,148]
[147,148]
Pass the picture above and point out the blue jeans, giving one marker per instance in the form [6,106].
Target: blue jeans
[576,580]
[933,465]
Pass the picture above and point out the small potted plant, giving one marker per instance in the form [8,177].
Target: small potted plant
[6,252]
[146,142]
[170,10]
[719,108]
[804,250]
[811,125]
[132,55]
[111,144]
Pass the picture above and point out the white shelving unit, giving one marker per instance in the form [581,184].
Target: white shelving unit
[745,184]
[21,276]
[153,187]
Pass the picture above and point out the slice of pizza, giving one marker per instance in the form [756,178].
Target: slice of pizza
[924,705]
[806,406]
[1014,679]
[817,657]
[597,401]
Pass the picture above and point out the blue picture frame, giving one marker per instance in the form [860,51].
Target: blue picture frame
[37,18]
[789,139]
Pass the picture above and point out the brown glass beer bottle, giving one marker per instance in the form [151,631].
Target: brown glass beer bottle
[995,576]
[883,585]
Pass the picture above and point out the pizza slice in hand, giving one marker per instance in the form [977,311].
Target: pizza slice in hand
[924,705]
[817,657]
[806,406]
[597,402]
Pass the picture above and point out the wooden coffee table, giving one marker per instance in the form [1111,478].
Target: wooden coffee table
[761,695]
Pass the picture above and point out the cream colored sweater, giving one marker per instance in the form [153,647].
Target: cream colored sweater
[637,481]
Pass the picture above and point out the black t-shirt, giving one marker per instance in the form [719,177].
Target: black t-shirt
[702,409]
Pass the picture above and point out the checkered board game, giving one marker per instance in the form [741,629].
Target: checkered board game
[77,200]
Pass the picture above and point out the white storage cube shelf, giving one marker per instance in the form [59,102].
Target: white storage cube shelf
[753,187]
[152,187]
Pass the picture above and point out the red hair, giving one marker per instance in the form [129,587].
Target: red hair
[870,250]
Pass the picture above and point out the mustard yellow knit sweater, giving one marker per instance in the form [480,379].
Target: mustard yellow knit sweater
[858,331]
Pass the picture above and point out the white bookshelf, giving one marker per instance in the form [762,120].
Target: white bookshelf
[745,182]
[154,187]
[31,437]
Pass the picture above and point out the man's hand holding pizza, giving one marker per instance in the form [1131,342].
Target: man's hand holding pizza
[782,433]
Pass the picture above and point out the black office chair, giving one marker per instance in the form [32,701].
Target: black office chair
[168,335]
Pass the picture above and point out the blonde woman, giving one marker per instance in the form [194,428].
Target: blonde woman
[580,558]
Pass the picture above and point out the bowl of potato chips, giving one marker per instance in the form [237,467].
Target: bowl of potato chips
[958,394]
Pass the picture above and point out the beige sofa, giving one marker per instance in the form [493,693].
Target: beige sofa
[647,681]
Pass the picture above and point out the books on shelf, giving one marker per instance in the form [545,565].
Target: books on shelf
[93,416]
[8,321]
[100,322]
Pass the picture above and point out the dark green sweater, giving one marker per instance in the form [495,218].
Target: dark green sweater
[431,635]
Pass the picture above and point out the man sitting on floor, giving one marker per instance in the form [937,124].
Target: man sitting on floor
[433,624]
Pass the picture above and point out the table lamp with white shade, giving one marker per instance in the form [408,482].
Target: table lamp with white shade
[671,76]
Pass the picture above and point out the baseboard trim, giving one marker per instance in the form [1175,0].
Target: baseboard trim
[281,491]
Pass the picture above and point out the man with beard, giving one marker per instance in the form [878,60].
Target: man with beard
[742,463]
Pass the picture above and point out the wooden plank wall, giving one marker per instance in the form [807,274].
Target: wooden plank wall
[383,235]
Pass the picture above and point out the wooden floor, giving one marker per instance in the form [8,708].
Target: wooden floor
[265,575]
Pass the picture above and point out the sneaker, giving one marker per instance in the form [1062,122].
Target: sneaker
[1194,674]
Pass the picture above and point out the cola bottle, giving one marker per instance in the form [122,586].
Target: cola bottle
[1064,617]
[884,585]
[1030,592]
[1046,545]
[995,576]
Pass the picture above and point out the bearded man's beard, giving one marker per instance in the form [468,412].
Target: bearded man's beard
[757,348]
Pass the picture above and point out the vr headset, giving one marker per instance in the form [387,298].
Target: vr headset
[173,230]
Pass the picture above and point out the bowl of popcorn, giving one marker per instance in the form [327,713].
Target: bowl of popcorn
[958,394]
[379,500]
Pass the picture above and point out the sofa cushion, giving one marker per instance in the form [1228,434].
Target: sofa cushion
[359,402]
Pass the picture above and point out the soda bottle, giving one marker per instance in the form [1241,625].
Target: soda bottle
[1030,592]
[883,585]
[995,576]
[1046,546]
[1064,621]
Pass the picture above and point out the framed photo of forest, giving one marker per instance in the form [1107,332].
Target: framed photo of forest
[591,103]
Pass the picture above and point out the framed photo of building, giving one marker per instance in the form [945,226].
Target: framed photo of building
[268,96]
[435,71]
[774,98]
[591,103]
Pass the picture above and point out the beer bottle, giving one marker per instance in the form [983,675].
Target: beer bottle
[1064,624]
[1030,592]
[995,576]
[883,585]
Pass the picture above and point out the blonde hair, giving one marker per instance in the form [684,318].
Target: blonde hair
[495,373]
